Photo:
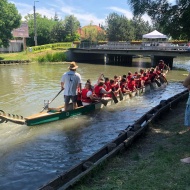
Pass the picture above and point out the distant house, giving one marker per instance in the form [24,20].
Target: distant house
[14,46]
[90,32]
[20,34]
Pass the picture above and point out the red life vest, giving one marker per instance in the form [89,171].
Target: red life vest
[116,85]
[129,77]
[145,79]
[84,96]
[131,85]
[138,83]
[97,90]
[108,87]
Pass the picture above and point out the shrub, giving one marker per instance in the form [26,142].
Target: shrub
[56,57]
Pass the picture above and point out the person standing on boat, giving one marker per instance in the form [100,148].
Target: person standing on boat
[162,65]
[71,83]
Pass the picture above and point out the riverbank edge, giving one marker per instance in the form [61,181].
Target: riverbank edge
[152,162]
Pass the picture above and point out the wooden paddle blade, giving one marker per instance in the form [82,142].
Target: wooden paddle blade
[114,97]
[157,82]
[105,102]
[120,95]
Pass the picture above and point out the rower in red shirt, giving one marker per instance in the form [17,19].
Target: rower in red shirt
[107,87]
[129,76]
[99,89]
[138,81]
[123,86]
[145,79]
[87,95]
[131,85]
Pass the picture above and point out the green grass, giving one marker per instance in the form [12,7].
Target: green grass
[151,163]
[31,56]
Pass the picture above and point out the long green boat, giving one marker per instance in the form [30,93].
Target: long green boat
[54,114]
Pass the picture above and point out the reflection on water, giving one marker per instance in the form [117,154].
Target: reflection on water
[31,156]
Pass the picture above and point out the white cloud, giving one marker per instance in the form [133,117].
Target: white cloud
[129,14]
[23,8]
[84,17]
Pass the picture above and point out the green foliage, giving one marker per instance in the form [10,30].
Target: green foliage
[140,27]
[172,19]
[71,25]
[52,30]
[119,28]
[50,46]
[56,57]
[9,20]
[114,27]
[44,28]
[58,33]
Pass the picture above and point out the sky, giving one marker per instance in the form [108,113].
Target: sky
[86,11]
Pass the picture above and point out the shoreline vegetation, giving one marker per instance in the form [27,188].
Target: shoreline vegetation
[152,162]
[43,56]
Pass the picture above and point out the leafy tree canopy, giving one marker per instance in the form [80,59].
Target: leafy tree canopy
[52,30]
[172,19]
[9,20]
[44,27]
[119,28]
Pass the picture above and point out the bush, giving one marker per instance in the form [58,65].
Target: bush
[56,57]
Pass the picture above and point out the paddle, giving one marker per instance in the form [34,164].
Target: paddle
[157,82]
[120,92]
[114,97]
[120,95]
[46,106]
[104,102]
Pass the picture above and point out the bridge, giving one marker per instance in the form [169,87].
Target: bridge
[123,53]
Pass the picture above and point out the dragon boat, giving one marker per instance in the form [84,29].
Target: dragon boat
[58,113]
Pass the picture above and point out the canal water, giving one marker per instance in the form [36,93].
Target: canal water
[32,156]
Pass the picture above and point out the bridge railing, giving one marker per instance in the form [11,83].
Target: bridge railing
[128,46]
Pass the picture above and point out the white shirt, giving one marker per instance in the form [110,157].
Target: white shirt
[71,80]
[89,93]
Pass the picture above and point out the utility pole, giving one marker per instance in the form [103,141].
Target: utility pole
[35,28]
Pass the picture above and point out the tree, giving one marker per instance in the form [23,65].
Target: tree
[56,18]
[166,16]
[119,28]
[44,28]
[140,27]
[71,27]
[58,33]
[9,19]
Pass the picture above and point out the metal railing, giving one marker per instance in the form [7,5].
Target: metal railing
[129,46]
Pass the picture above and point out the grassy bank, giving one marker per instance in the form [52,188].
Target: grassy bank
[151,163]
[28,56]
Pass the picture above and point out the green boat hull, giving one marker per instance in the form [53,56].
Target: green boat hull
[54,116]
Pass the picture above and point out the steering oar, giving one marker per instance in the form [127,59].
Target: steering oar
[46,106]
